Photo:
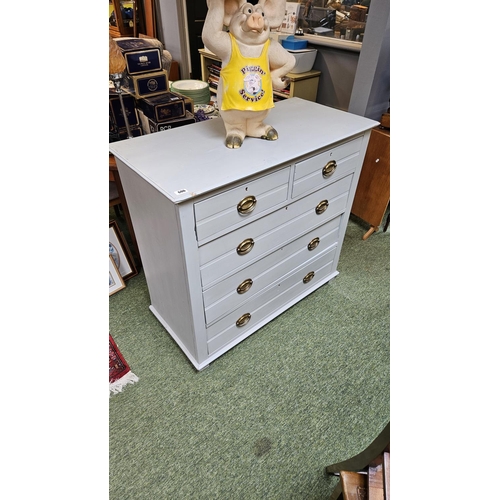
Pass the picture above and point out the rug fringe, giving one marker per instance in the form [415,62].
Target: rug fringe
[118,385]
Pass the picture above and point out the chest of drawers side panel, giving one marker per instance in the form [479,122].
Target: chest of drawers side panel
[163,250]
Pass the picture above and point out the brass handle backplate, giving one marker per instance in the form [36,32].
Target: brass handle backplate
[243,320]
[246,205]
[244,286]
[245,246]
[308,277]
[313,244]
[322,206]
[329,168]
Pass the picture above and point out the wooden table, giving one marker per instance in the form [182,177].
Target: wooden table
[373,192]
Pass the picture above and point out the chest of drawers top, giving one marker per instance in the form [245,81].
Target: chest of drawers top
[191,161]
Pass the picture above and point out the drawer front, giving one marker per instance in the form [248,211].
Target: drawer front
[326,167]
[238,288]
[277,295]
[245,245]
[240,204]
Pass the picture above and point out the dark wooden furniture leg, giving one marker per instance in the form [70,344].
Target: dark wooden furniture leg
[126,213]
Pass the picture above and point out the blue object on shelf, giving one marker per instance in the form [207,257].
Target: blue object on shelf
[290,42]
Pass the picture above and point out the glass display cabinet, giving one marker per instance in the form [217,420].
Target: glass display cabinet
[123,18]
[333,20]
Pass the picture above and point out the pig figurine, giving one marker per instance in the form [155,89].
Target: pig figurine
[252,64]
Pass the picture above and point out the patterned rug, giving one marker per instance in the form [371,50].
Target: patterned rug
[119,370]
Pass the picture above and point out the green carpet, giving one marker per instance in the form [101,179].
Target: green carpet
[309,389]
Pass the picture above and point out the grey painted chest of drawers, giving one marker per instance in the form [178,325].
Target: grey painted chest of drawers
[230,239]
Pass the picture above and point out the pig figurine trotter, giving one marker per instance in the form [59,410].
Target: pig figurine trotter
[252,64]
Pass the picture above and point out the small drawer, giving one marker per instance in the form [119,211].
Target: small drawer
[283,292]
[243,246]
[240,204]
[238,288]
[326,167]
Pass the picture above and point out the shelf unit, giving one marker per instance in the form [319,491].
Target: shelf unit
[303,85]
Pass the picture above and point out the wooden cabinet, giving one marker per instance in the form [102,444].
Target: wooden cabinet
[131,18]
[122,18]
[303,85]
[231,238]
[373,193]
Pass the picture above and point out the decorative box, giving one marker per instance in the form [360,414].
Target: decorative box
[116,112]
[144,61]
[134,132]
[358,13]
[163,107]
[179,122]
[122,134]
[148,85]
[141,55]
[188,102]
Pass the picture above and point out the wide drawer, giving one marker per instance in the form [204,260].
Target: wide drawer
[235,290]
[274,297]
[326,167]
[240,204]
[245,245]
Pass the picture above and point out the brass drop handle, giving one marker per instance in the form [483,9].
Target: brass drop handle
[322,206]
[244,286]
[246,205]
[245,246]
[308,277]
[329,168]
[243,320]
[313,244]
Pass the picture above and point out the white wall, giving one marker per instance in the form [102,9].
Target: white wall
[173,32]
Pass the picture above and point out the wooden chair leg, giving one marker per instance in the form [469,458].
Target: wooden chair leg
[387,475]
[370,232]
[354,486]
[376,481]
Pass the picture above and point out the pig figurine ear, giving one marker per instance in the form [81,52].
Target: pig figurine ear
[230,8]
[274,11]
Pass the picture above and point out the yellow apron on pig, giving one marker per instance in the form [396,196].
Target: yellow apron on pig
[246,81]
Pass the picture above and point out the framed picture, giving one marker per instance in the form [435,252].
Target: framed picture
[116,282]
[120,252]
